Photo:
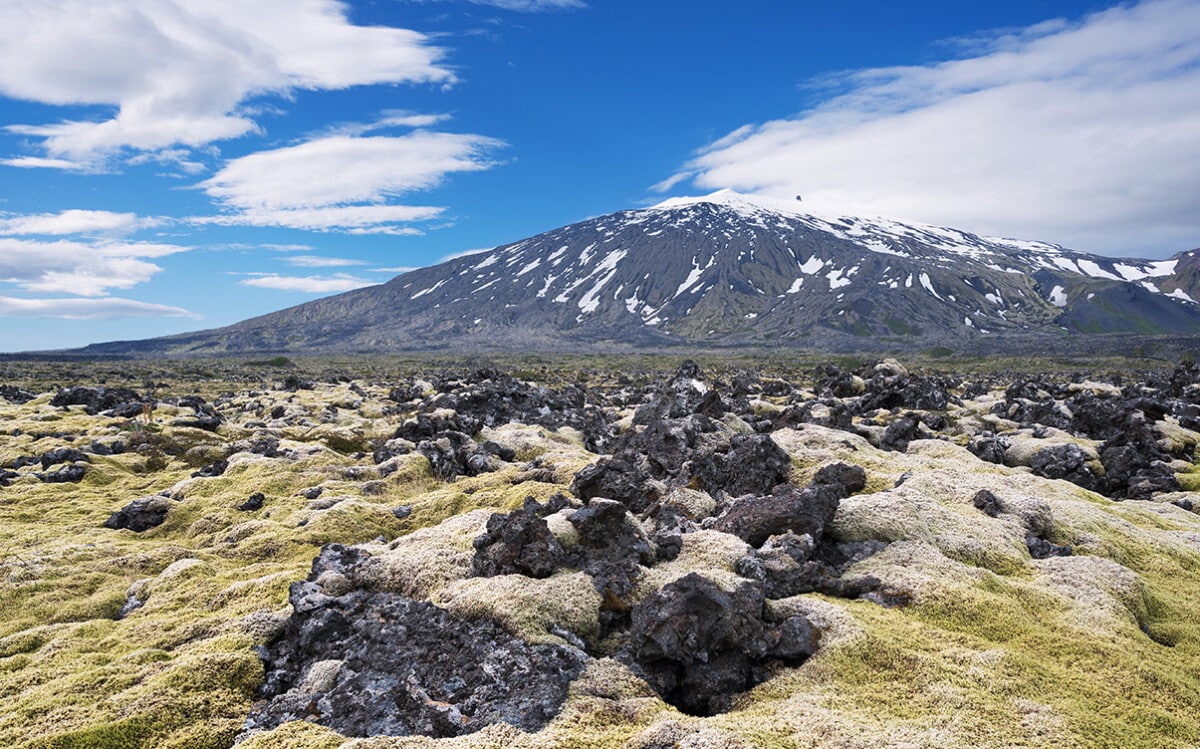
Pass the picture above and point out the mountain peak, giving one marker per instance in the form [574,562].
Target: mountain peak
[738,201]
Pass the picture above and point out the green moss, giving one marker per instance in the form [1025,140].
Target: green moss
[296,735]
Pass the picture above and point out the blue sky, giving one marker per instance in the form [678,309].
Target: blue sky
[173,165]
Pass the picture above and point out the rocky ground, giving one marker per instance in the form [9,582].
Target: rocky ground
[461,557]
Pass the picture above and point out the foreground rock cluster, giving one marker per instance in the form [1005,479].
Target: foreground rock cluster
[644,560]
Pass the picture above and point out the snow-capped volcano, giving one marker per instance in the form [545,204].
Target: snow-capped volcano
[729,269]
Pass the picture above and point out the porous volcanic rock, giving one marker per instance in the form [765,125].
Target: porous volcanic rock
[367,663]
[140,514]
[698,646]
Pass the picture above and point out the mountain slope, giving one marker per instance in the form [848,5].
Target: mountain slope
[729,269]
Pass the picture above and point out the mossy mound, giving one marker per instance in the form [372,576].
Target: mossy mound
[115,639]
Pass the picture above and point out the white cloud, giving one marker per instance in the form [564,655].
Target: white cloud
[308,284]
[338,170]
[179,72]
[332,218]
[1086,134]
[76,267]
[288,247]
[393,118]
[398,270]
[343,183]
[37,162]
[86,309]
[532,6]
[177,158]
[314,261]
[75,221]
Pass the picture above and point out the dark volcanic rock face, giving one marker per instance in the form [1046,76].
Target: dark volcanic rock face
[699,645]
[121,401]
[140,514]
[519,543]
[369,663]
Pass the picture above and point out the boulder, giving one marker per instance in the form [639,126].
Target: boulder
[368,663]
[140,514]
[698,646]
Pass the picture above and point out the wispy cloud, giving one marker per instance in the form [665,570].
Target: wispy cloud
[314,261]
[179,72]
[1082,133]
[380,218]
[395,118]
[74,221]
[77,267]
[308,284]
[532,6]
[87,309]
[343,183]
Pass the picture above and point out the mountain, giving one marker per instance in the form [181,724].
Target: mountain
[728,269]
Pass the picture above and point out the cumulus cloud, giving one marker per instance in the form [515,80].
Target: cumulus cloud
[342,182]
[181,72]
[74,221]
[339,170]
[77,267]
[87,309]
[1083,133]
[308,284]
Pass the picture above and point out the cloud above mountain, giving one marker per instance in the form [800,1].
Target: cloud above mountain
[1083,133]
[344,182]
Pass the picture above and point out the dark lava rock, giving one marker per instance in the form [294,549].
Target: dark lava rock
[140,514]
[789,565]
[987,503]
[200,421]
[1157,478]
[754,519]
[62,455]
[519,543]
[989,447]
[255,502]
[889,388]
[292,383]
[698,646]
[1040,548]
[14,394]
[611,547]
[388,665]
[900,432]
[1067,461]
[66,475]
[453,454]
[752,464]
[7,476]
[621,477]
[445,453]
[122,401]
[826,412]
[428,425]
[212,470]
[490,398]
[390,449]
[851,478]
